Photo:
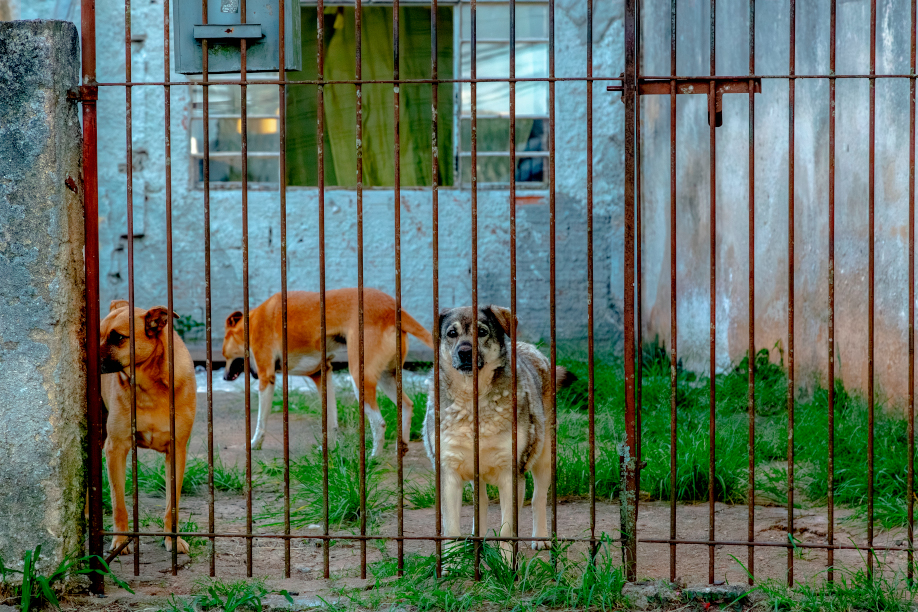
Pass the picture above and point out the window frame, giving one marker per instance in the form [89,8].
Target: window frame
[457,117]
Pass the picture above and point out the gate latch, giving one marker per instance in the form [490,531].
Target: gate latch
[661,87]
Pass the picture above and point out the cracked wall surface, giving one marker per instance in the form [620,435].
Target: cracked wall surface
[42,371]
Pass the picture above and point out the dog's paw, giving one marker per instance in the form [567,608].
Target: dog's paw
[117,542]
[182,545]
[256,442]
[541,545]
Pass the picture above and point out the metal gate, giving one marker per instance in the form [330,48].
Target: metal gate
[634,84]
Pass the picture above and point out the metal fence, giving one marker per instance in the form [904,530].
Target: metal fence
[633,85]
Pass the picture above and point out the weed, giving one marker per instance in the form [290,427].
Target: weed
[37,589]
[189,329]
[231,596]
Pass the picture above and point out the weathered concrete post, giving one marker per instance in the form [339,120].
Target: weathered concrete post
[42,371]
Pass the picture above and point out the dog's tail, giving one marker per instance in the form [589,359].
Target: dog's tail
[416,329]
[564,377]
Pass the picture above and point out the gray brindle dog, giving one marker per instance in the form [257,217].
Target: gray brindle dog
[534,409]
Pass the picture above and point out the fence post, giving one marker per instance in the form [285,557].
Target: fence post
[42,364]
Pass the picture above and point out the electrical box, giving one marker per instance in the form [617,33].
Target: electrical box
[226,29]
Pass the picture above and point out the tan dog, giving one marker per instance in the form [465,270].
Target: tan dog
[153,422]
[534,408]
[304,350]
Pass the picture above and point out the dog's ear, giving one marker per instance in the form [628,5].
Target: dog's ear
[116,304]
[155,321]
[441,318]
[233,319]
[504,318]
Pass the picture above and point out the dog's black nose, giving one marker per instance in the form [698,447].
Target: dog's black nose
[464,352]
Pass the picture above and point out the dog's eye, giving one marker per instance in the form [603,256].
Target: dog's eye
[482,331]
[115,338]
[452,333]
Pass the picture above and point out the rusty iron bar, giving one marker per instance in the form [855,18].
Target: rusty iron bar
[552,425]
[208,304]
[243,96]
[476,484]
[830,536]
[285,347]
[170,354]
[361,346]
[791,91]
[673,329]
[401,447]
[514,381]
[750,529]
[435,248]
[389,538]
[323,321]
[911,299]
[638,272]
[129,201]
[713,121]
[591,379]
[95,424]
[629,492]
[871,298]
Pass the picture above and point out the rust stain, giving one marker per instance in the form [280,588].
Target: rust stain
[71,185]
[529,200]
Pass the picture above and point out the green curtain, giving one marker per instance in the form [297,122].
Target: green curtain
[415,112]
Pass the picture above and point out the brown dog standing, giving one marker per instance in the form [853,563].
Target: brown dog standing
[153,422]
[304,340]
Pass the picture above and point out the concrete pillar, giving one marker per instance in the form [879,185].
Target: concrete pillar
[42,370]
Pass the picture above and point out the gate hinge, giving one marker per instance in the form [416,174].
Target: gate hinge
[662,87]
[84,93]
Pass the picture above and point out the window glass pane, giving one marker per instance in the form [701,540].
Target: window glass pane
[493,60]
[531,169]
[494,134]
[224,99]
[493,99]
[531,21]
[531,60]
[229,169]
[263,99]
[531,135]
[491,169]
[493,21]
[531,98]
[226,135]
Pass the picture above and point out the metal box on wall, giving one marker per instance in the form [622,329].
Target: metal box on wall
[225,30]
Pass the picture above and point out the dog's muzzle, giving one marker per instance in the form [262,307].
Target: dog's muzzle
[110,366]
[234,369]
[462,358]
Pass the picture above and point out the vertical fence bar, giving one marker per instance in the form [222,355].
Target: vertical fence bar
[629,92]
[129,164]
[435,247]
[673,329]
[791,90]
[361,371]
[639,266]
[871,300]
[401,446]
[591,379]
[208,323]
[285,365]
[243,96]
[750,533]
[174,491]
[94,415]
[712,123]
[323,321]
[830,553]
[514,443]
[476,485]
[552,277]
[911,299]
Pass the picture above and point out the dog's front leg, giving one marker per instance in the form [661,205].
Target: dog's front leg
[265,403]
[180,455]
[115,461]
[541,476]
[377,427]
[505,488]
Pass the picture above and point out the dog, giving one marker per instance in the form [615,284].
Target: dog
[153,420]
[304,351]
[534,409]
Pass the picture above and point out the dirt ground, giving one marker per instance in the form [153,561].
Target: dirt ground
[155,577]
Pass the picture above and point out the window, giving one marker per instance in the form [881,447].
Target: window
[493,99]
[454,125]
[226,132]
